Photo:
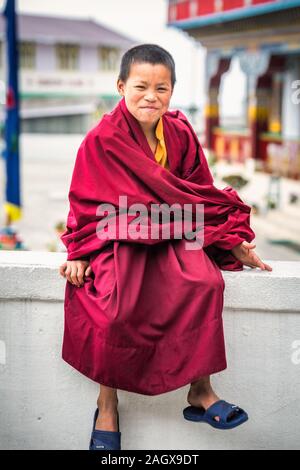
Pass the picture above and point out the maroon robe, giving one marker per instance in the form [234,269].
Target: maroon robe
[149,317]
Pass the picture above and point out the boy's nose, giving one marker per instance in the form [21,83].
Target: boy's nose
[150,97]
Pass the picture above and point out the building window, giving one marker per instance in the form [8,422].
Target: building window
[27,53]
[67,56]
[108,58]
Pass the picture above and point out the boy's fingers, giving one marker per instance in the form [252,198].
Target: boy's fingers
[261,265]
[88,271]
[257,261]
[252,266]
[268,267]
[80,273]
[249,245]
[74,272]
[74,275]
[68,274]
[62,269]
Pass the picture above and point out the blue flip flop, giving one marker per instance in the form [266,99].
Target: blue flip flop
[230,415]
[102,440]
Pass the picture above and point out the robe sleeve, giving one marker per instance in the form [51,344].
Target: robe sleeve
[67,240]
[80,218]
[220,250]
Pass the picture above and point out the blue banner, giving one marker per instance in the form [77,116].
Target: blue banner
[12,206]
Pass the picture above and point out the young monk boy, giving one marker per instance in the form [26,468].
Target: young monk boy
[145,314]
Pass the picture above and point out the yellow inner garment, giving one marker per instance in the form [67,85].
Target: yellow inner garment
[161,150]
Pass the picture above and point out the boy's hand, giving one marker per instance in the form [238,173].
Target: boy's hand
[244,253]
[75,270]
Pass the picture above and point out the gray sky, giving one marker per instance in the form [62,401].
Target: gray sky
[145,21]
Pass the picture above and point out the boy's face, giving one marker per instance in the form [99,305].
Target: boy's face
[147,92]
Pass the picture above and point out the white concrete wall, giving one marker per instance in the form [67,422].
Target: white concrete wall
[46,404]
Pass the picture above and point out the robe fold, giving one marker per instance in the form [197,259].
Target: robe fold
[149,316]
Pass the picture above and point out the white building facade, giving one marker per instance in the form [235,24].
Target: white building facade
[68,71]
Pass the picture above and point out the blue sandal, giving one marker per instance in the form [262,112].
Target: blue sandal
[230,415]
[102,440]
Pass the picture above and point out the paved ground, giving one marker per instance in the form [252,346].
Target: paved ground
[47,163]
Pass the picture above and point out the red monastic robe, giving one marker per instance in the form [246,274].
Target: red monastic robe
[149,317]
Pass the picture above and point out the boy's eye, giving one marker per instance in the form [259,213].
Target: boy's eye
[142,87]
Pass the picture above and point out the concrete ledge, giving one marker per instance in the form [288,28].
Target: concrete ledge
[46,404]
[34,275]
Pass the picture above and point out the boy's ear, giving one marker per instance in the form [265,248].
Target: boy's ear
[120,87]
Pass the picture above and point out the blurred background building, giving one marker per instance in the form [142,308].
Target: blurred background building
[264,36]
[238,82]
[68,71]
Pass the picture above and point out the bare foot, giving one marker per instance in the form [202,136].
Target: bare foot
[203,399]
[107,419]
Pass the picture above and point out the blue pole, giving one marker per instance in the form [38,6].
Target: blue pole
[12,205]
